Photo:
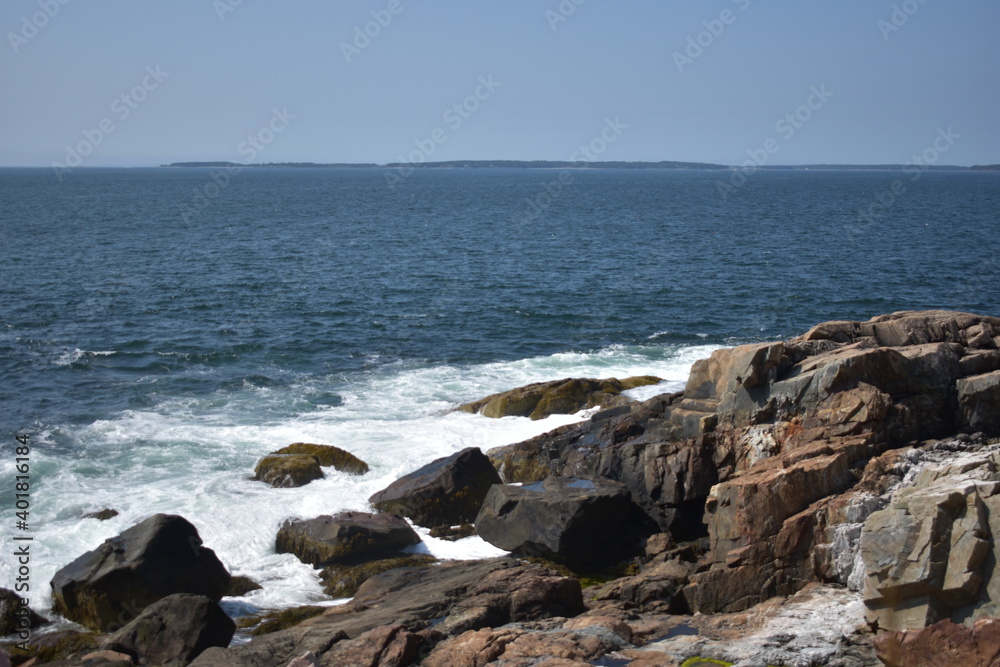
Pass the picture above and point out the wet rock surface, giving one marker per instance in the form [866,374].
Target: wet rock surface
[107,587]
[800,503]
[347,537]
[445,492]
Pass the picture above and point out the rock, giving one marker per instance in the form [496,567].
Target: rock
[328,456]
[979,403]
[542,399]
[385,646]
[453,533]
[50,647]
[520,646]
[240,586]
[768,435]
[437,600]
[16,615]
[106,657]
[930,552]
[286,618]
[445,492]
[175,629]
[343,581]
[942,644]
[105,588]
[102,515]
[287,470]
[655,589]
[567,520]
[347,537]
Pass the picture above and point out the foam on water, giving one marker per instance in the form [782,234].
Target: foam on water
[193,456]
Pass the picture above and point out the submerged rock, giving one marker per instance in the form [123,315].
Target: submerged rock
[302,462]
[287,470]
[542,399]
[328,456]
[445,492]
[105,588]
[347,537]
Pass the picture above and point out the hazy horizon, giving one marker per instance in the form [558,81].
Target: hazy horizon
[730,82]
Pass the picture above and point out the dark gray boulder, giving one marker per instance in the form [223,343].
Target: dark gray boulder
[347,537]
[445,492]
[979,402]
[177,628]
[580,522]
[15,616]
[106,588]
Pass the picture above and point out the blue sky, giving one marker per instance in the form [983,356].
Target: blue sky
[132,82]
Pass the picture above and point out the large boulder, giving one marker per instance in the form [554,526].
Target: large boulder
[175,629]
[542,399]
[581,522]
[930,553]
[347,537]
[979,402]
[435,601]
[445,492]
[106,588]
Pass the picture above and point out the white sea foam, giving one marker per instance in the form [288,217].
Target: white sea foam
[194,456]
[72,356]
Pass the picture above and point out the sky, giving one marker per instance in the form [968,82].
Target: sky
[148,82]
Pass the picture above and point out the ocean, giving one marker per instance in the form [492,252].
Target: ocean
[162,329]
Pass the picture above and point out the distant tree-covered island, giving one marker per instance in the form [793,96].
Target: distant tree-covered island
[555,164]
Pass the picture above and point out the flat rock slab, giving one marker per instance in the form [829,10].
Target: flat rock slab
[446,492]
[570,520]
[347,537]
[109,586]
[445,599]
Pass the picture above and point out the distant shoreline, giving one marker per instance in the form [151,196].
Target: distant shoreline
[549,164]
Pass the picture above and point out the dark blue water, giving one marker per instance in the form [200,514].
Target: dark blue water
[293,271]
[155,345]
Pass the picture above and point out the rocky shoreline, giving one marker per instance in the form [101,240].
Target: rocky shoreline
[828,500]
